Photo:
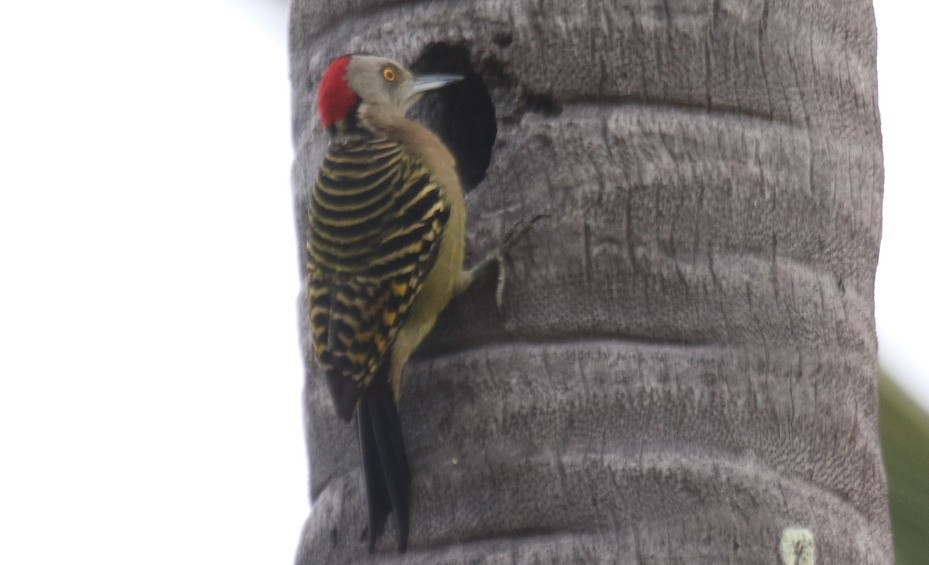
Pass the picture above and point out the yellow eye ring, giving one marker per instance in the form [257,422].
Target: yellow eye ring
[389,74]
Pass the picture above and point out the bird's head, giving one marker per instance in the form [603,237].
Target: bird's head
[351,82]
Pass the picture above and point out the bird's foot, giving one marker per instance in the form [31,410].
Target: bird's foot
[497,256]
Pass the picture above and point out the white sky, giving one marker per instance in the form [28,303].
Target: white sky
[902,303]
[150,380]
[150,410]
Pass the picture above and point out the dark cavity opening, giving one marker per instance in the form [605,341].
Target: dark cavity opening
[544,104]
[503,40]
[462,114]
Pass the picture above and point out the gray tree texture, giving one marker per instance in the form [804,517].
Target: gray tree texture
[684,369]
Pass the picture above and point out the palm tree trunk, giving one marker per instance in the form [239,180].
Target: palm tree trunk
[686,362]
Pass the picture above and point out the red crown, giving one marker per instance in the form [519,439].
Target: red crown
[335,99]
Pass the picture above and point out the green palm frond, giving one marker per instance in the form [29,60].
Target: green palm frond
[904,429]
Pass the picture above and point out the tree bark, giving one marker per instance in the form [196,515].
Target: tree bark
[685,366]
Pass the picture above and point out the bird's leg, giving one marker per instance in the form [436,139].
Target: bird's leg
[497,256]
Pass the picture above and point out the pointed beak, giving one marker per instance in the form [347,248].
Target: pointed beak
[431,82]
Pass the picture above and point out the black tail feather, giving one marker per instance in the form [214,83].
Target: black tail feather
[375,485]
[387,473]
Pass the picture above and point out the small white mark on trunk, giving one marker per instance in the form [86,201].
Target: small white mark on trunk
[798,546]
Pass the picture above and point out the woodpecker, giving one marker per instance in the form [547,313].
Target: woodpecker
[386,248]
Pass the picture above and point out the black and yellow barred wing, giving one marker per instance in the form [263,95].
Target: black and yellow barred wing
[376,221]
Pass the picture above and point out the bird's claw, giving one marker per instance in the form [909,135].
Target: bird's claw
[498,255]
[518,231]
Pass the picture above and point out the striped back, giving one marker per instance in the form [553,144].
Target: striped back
[376,220]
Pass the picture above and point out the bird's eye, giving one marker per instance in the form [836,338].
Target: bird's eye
[389,74]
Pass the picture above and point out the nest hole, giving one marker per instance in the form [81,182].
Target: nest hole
[462,114]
